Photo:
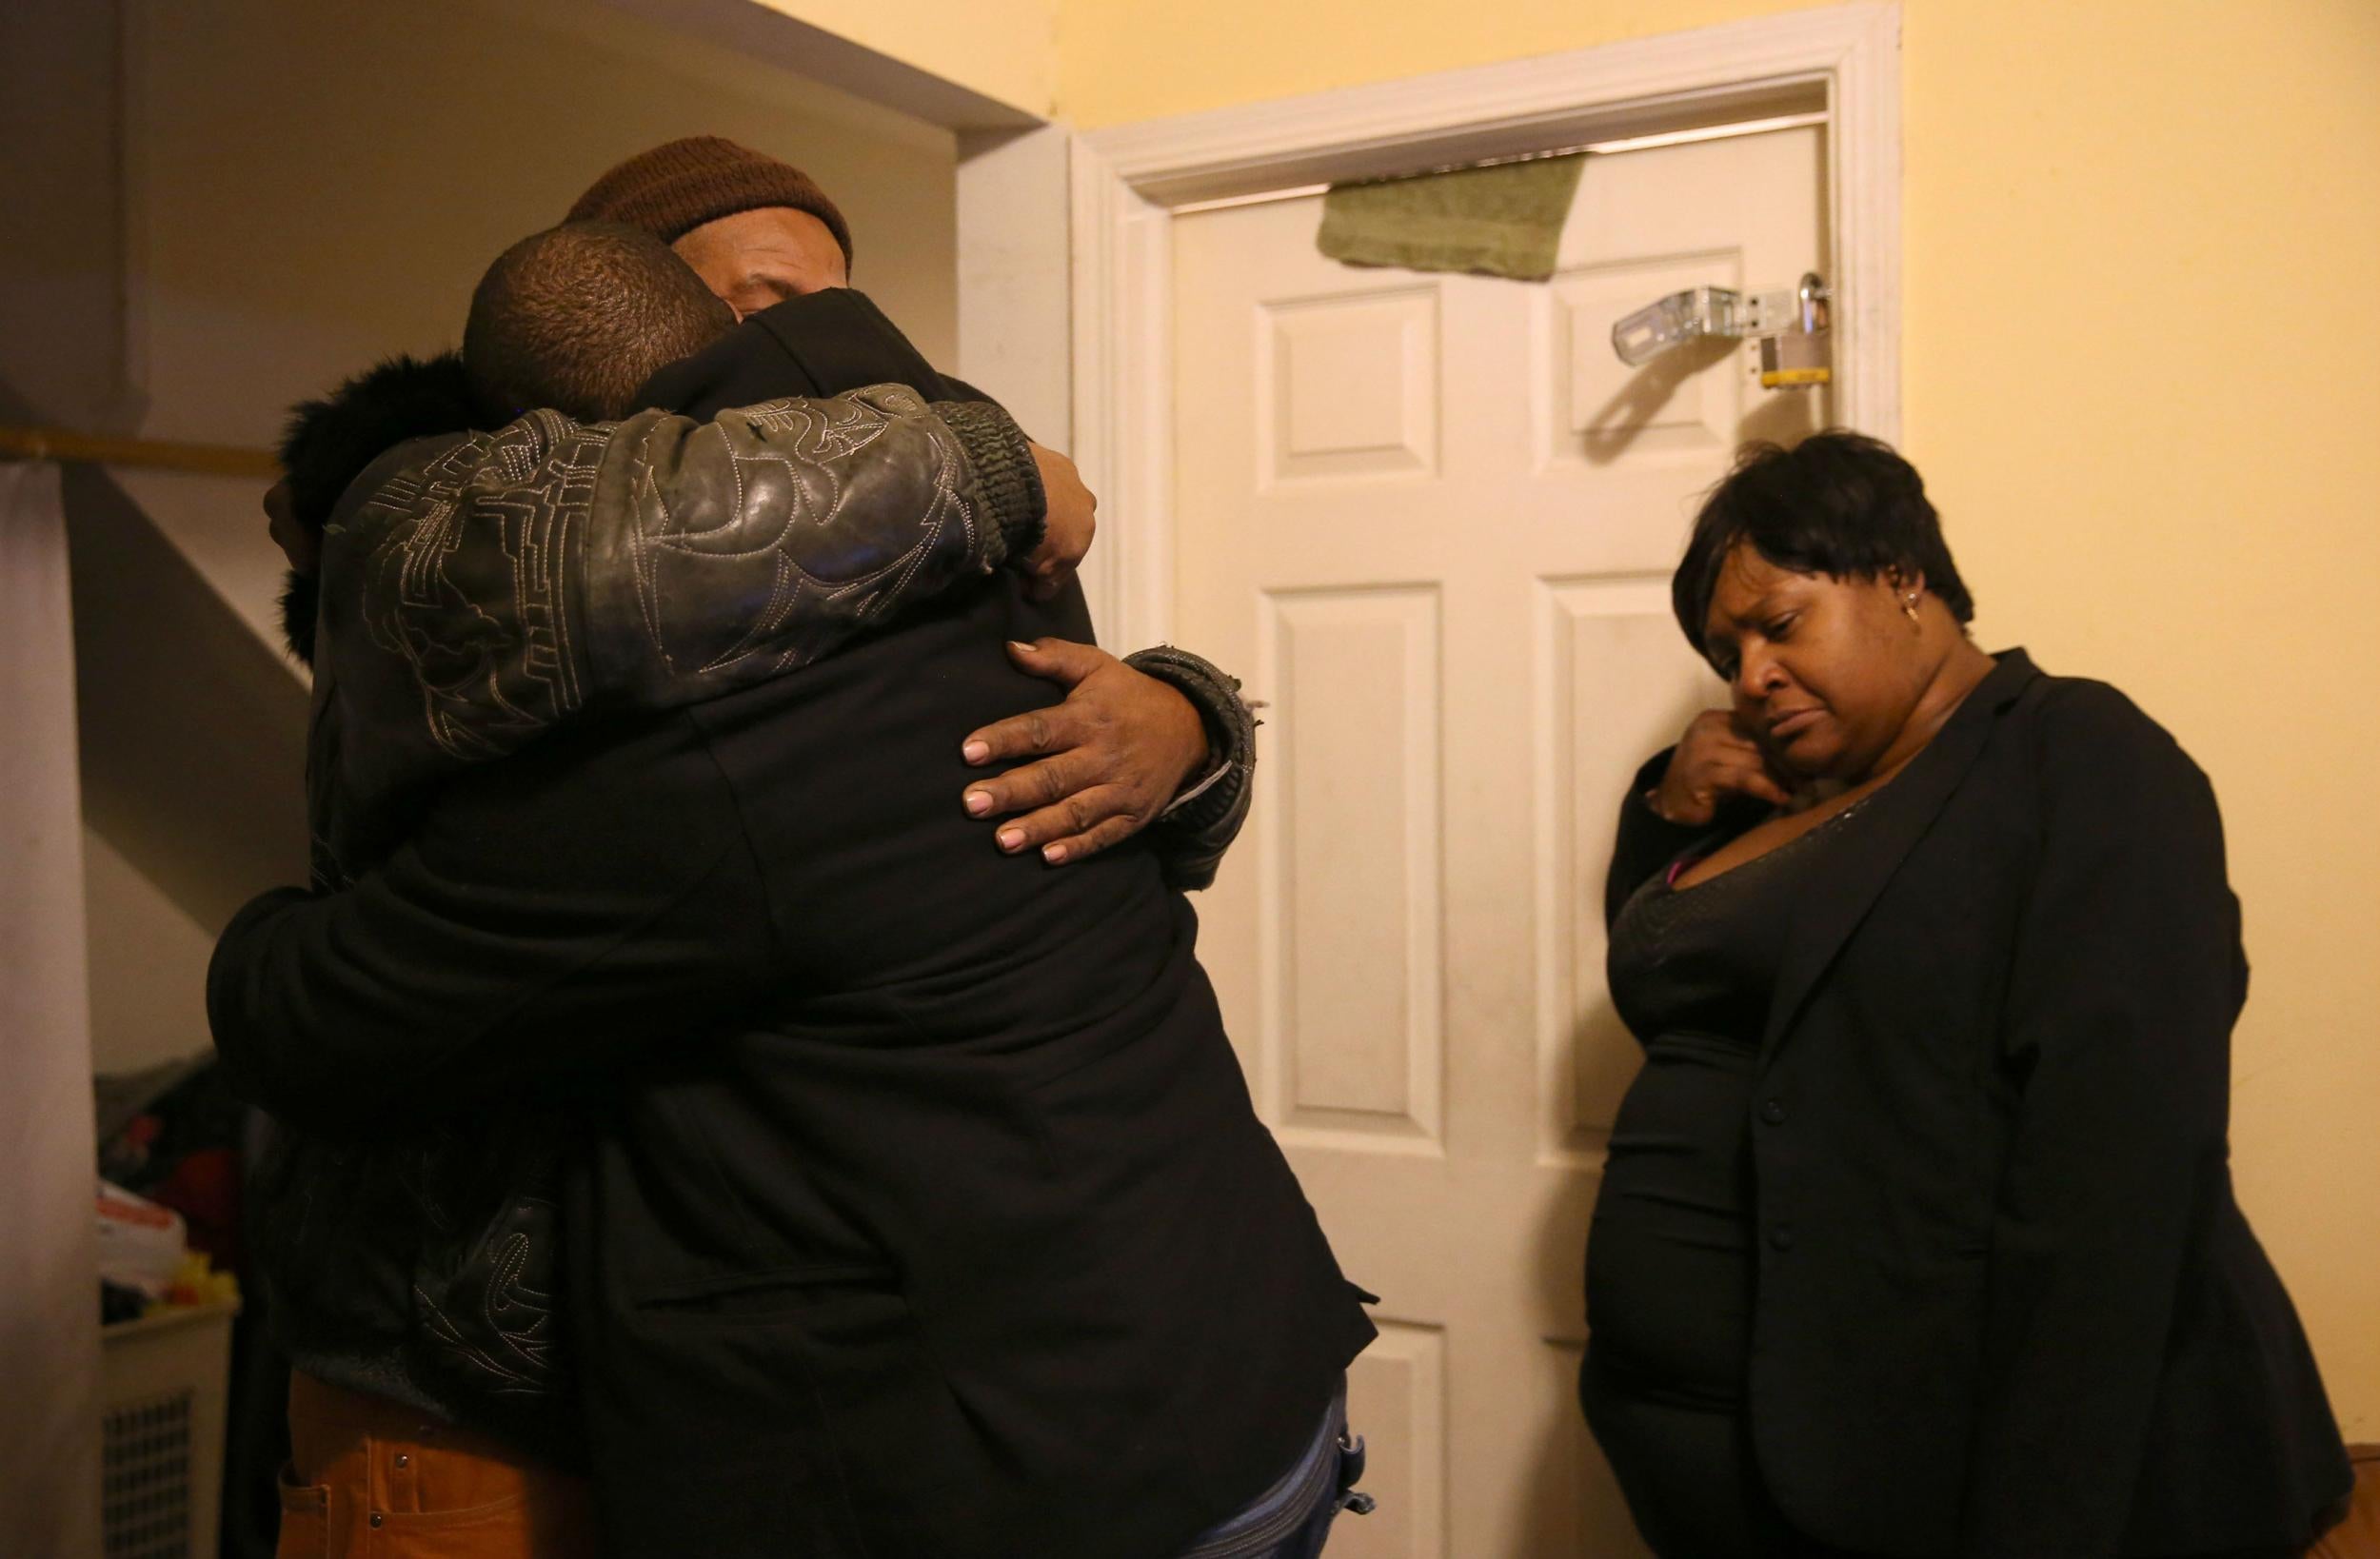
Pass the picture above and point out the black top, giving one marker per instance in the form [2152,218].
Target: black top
[1702,959]
[2007,1306]
[1669,1269]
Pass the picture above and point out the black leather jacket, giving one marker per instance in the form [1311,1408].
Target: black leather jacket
[480,588]
[484,587]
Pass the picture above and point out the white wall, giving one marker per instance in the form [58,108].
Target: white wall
[49,1315]
[149,959]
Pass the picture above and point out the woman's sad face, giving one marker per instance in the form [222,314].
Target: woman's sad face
[1825,672]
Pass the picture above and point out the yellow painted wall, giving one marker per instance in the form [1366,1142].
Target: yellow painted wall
[1003,48]
[2143,381]
[321,185]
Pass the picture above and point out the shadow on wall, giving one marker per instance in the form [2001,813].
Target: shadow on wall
[1616,422]
[1785,418]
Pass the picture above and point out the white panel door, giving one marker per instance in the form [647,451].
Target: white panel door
[1431,520]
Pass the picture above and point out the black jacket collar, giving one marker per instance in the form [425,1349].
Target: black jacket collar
[818,343]
[1845,882]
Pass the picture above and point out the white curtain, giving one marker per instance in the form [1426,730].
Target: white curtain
[49,1299]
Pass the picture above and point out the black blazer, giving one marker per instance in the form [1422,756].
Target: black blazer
[923,1212]
[2006,1303]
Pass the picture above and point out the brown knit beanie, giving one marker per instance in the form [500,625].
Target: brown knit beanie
[673,189]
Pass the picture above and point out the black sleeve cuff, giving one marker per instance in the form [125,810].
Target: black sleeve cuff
[1004,468]
[1193,834]
[1647,841]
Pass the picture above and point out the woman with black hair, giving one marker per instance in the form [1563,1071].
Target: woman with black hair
[1916,1235]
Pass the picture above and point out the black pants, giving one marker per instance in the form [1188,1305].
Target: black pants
[1691,1481]
[1688,1473]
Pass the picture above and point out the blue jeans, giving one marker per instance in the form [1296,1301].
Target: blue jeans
[1293,1518]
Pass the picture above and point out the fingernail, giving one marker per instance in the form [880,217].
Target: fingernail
[1020,646]
[975,752]
[1012,838]
[978,803]
[1054,854]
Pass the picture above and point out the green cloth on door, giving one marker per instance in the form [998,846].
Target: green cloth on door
[1505,220]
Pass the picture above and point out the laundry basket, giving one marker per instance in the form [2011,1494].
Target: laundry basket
[163,1381]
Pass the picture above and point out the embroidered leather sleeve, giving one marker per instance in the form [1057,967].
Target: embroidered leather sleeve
[723,553]
[478,592]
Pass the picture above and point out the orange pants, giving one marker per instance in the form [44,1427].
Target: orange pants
[370,1479]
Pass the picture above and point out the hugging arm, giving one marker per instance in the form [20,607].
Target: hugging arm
[479,593]
[520,934]
[1160,739]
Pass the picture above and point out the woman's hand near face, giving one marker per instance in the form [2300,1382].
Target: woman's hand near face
[1715,761]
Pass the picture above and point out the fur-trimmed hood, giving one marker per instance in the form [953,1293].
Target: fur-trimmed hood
[329,442]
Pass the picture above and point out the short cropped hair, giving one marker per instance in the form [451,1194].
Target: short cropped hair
[578,317]
[1837,504]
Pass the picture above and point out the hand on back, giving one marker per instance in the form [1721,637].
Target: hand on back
[1114,753]
[1110,757]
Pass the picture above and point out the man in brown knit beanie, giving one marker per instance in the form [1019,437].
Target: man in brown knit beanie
[759,232]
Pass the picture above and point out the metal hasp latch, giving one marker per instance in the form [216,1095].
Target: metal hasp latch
[1791,326]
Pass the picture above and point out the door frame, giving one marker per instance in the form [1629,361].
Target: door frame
[1127,183]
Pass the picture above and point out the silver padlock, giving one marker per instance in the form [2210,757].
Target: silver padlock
[1803,356]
